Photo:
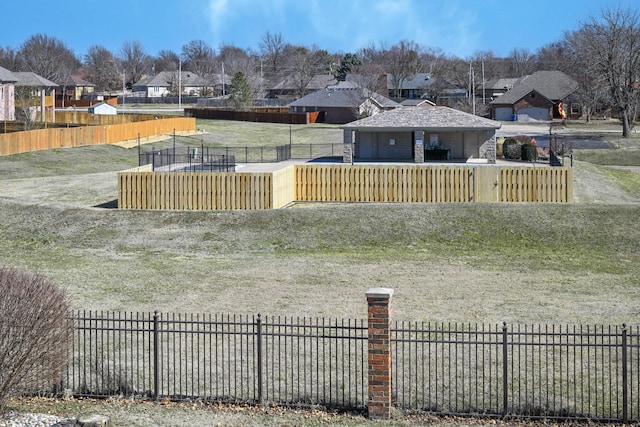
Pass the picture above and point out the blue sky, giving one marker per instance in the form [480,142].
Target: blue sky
[458,27]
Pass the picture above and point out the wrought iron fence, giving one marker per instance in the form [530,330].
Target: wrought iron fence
[223,159]
[224,358]
[534,371]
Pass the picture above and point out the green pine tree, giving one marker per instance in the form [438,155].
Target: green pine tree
[240,92]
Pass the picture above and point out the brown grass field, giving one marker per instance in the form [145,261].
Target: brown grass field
[484,263]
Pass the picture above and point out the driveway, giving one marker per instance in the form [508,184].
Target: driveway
[540,131]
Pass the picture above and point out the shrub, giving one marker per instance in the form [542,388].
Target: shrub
[523,139]
[511,149]
[35,333]
[529,152]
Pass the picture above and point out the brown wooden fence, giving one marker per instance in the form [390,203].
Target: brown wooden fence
[342,183]
[46,139]
[195,190]
[84,118]
[254,116]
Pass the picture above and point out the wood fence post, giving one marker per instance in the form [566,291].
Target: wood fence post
[379,352]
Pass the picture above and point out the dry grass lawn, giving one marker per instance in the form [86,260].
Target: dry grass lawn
[485,263]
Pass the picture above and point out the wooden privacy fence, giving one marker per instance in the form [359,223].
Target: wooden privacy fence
[254,116]
[84,118]
[47,139]
[342,183]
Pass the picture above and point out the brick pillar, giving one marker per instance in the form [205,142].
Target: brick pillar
[347,146]
[418,137]
[379,346]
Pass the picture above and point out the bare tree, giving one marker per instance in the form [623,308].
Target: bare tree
[35,336]
[102,69]
[553,56]
[272,48]
[305,63]
[521,61]
[27,102]
[402,61]
[612,45]
[135,61]
[48,57]
[199,58]
[9,59]
[167,60]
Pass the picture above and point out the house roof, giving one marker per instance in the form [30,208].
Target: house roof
[501,83]
[553,85]
[417,103]
[7,76]
[75,81]
[417,81]
[103,105]
[343,95]
[164,79]
[29,79]
[319,81]
[434,118]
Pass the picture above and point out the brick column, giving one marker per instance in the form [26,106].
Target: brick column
[347,146]
[379,346]
[418,137]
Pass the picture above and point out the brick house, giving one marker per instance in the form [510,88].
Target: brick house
[535,97]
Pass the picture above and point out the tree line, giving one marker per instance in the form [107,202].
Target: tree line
[602,55]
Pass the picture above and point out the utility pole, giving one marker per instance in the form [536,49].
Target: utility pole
[180,84]
[223,91]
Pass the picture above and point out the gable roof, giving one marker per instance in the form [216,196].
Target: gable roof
[164,79]
[342,96]
[417,103]
[417,81]
[7,76]
[434,118]
[553,85]
[501,83]
[29,79]
[75,81]
[319,81]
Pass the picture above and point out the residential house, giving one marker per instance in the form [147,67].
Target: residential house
[413,87]
[495,87]
[417,103]
[289,88]
[540,96]
[419,134]
[343,103]
[73,88]
[34,94]
[7,94]
[165,83]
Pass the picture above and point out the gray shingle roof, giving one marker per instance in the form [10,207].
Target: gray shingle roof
[417,103]
[433,118]
[553,85]
[319,81]
[29,79]
[342,96]
[7,76]
[417,81]
[164,79]
[75,81]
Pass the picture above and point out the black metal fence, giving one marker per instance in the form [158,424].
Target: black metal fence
[187,159]
[535,371]
[224,159]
